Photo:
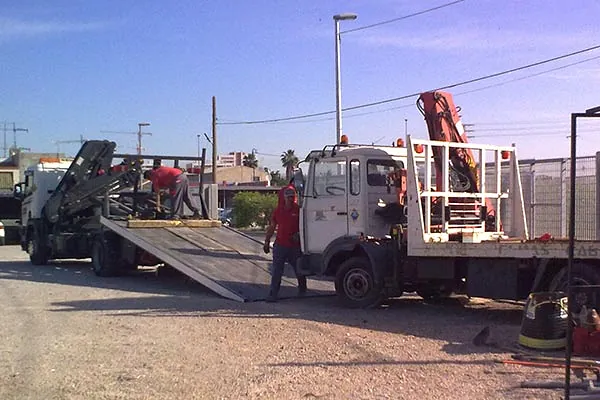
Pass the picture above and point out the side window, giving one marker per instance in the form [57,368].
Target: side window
[354,177]
[330,178]
[378,171]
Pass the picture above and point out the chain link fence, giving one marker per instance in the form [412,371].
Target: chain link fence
[546,195]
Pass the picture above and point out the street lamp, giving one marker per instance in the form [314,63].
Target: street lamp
[338,88]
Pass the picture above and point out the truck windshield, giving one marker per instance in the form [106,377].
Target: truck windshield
[379,170]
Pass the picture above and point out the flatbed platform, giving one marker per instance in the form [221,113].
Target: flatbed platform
[222,259]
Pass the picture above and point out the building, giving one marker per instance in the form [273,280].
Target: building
[233,159]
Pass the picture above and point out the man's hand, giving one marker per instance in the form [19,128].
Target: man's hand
[267,247]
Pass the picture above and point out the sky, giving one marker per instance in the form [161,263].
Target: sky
[77,67]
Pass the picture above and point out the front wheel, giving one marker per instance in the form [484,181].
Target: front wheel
[356,285]
[37,249]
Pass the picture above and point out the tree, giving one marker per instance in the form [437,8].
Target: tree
[277,179]
[250,161]
[289,162]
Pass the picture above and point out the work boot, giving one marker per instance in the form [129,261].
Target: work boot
[302,286]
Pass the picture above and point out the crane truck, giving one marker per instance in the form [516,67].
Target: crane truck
[426,218]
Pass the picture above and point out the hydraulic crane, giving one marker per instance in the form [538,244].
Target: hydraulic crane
[444,124]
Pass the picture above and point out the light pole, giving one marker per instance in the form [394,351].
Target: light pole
[338,87]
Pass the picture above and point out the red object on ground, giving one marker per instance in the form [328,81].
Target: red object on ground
[586,343]
[546,237]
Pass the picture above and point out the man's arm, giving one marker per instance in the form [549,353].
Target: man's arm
[269,234]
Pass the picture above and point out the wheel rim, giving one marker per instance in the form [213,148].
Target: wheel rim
[357,284]
[30,247]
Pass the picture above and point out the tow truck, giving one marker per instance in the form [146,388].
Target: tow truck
[94,207]
[426,218]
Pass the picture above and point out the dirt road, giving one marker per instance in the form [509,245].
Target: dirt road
[67,334]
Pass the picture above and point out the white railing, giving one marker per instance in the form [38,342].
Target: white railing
[450,213]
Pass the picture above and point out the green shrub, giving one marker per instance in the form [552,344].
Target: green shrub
[253,208]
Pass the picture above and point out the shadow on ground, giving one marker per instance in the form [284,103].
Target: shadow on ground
[178,296]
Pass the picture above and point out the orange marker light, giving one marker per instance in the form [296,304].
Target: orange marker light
[505,154]
[419,148]
[399,142]
[344,139]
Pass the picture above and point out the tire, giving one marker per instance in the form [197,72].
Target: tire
[356,286]
[37,249]
[104,259]
[581,274]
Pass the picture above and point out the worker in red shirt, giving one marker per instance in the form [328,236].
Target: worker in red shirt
[177,184]
[286,221]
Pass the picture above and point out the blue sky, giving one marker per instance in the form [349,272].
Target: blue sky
[71,68]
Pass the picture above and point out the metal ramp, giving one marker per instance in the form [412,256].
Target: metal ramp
[221,259]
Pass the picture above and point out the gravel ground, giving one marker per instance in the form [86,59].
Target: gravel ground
[70,335]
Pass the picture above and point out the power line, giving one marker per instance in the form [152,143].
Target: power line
[405,97]
[404,17]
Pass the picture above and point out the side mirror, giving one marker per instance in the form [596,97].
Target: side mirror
[18,191]
[299,180]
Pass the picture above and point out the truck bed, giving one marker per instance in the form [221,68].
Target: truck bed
[222,259]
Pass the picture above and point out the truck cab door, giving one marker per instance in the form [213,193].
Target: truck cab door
[325,208]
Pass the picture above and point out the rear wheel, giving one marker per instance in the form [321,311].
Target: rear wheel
[581,275]
[37,249]
[105,260]
[356,286]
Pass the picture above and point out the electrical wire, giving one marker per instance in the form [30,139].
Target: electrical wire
[408,96]
[402,18]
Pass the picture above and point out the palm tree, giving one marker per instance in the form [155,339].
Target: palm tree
[289,162]
[250,161]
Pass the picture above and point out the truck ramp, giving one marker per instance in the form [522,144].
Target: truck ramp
[222,259]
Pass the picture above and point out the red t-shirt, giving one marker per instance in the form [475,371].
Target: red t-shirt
[164,178]
[288,224]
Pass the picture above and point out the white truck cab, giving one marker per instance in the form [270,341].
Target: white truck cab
[40,181]
[344,186]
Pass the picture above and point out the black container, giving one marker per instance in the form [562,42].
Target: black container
[544,323]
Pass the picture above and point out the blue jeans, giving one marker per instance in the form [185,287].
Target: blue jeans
[281,254]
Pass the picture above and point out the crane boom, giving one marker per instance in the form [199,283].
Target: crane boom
[444,124]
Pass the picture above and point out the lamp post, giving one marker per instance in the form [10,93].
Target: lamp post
[338,88]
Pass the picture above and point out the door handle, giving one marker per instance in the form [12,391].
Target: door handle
[342,213]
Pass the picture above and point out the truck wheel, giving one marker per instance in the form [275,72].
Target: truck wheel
[581,274]
[104,259]
[38,251]
[356,286]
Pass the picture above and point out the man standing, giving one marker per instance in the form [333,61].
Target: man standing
[286,220]
[178,186]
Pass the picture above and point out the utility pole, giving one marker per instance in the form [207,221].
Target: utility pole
[5,146]
[15,130]
[139,136]
[214,139]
